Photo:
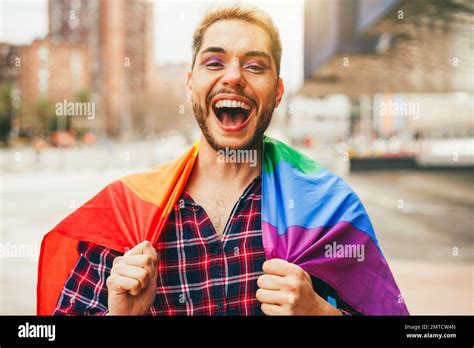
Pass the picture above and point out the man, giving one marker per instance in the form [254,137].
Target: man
[211,257]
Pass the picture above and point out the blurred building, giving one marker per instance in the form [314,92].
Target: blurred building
[407,68]
[119,38]
[321,119]
[52,70]
[335,26]
[44,70]
[9,72]
[172,109]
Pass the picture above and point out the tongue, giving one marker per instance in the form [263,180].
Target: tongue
[231,121]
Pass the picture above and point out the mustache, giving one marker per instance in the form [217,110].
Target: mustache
[238,91]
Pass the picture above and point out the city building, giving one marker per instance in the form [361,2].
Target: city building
[44,71]
[119,38]
[406,66]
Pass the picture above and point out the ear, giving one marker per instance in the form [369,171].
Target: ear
[279,92]
[189,84]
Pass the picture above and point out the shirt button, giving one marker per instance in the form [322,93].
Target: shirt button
[217,250]
[219,305]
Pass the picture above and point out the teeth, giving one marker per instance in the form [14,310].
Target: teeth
[227,103]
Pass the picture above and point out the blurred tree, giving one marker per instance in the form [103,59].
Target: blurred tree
[46,120]
[82,96]
[7,111]
[79,124]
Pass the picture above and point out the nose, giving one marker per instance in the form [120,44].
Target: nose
[233,76]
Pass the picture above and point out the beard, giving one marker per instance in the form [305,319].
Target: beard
[263,120]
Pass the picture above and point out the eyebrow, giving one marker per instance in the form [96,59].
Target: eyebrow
[258,54]
[216,49]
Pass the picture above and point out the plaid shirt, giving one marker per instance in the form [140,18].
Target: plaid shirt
[199,273]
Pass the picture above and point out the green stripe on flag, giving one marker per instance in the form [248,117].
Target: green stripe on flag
[275,152]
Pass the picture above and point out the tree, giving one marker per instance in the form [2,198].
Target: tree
[7,111]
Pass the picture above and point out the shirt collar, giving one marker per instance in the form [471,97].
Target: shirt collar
[187,200]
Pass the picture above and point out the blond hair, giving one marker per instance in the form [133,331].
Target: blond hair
[252,15]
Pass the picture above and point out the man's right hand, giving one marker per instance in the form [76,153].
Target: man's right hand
[132,281]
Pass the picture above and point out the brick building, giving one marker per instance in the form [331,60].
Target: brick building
[43,71]
[119,38]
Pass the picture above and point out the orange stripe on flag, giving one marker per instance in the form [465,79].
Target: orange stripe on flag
[121,216]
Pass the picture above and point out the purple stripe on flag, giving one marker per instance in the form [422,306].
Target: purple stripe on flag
[366,283]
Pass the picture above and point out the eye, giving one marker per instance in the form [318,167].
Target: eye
[214,64]
[255,68]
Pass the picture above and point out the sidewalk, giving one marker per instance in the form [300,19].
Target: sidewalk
[431,288]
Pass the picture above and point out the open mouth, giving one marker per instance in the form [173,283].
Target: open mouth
[232,115]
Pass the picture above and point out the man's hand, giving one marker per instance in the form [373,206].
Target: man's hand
[132,281]
[286,289]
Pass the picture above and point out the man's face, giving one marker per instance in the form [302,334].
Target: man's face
[234,85]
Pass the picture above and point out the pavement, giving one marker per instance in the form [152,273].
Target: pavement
[430,288]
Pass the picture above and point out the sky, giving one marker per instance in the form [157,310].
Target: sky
[22,21]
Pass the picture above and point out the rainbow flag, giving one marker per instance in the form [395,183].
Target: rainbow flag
[312,218]
[308,215]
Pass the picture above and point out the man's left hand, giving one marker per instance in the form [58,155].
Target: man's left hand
[286,289]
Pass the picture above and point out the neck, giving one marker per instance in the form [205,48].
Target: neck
[236,168]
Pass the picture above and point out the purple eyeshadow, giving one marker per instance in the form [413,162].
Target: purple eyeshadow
[213,60]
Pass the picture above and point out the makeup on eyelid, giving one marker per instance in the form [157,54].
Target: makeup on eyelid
[252,64]
[212,60]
